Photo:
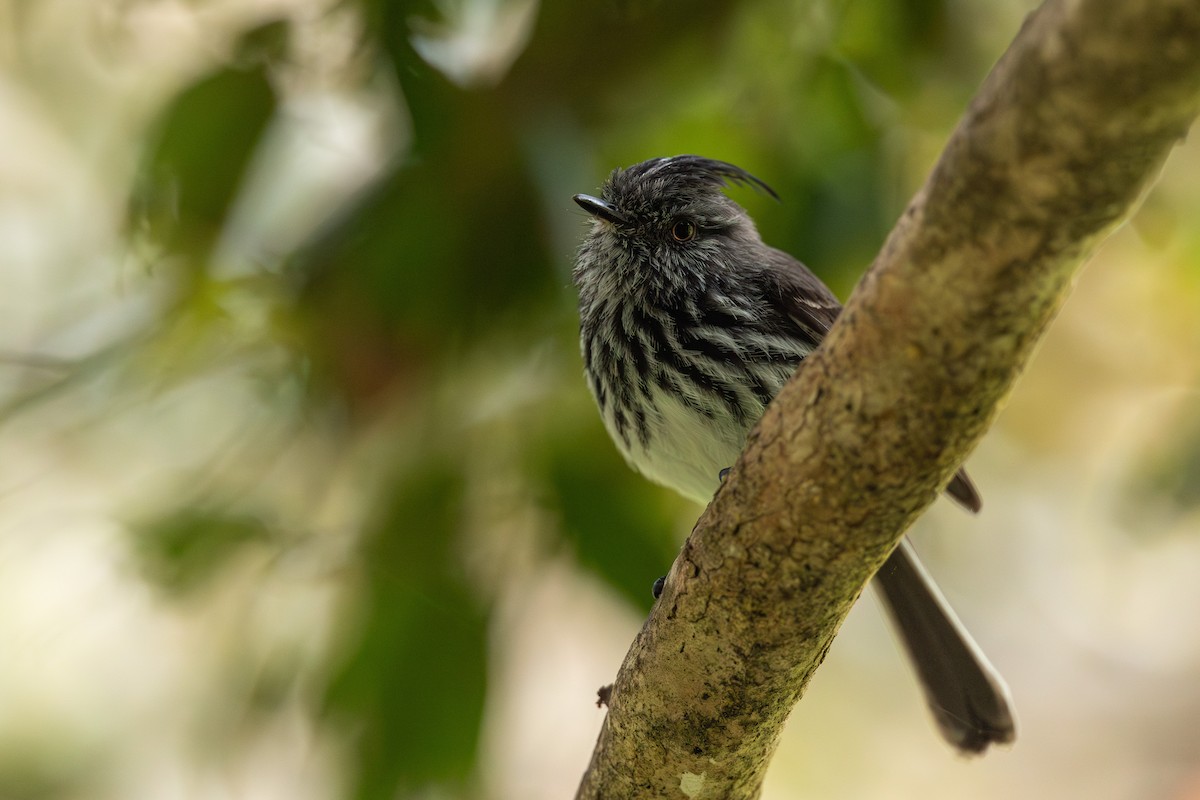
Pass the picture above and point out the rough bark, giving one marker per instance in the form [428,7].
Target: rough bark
[1062,140]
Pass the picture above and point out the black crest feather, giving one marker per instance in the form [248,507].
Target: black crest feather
[679,174]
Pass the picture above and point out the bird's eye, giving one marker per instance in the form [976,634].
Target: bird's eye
[683,231]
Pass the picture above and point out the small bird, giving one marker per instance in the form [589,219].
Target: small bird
[689,327]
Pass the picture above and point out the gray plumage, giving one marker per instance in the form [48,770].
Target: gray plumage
[689,327]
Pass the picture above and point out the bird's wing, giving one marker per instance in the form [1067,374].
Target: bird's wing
[800,295]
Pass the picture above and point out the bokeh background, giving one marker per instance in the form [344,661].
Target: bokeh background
[301,492]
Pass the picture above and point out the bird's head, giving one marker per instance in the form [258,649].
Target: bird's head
[664,220]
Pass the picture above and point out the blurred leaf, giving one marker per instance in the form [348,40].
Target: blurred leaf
[451,245]
[615,520]
[37,769]
[1170,475]
[184,550]
[433,257]
[202,147]
[842,124]
[412,687]
[265,43]
[434,104]
[889,40]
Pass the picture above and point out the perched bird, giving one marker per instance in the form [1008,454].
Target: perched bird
[690,325]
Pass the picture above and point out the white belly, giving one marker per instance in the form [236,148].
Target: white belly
[687,450]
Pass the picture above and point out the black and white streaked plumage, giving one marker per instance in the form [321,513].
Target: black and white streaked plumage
[685,343]
[690,325]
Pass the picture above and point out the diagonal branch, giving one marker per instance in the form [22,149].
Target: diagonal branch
[1064,137]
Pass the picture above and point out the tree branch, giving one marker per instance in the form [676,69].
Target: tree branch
[1066,134]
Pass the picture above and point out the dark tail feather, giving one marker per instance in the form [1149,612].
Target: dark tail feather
[968,698]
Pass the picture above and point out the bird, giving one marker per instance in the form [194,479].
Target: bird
[690,325]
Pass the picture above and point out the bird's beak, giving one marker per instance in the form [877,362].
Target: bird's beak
[602,209]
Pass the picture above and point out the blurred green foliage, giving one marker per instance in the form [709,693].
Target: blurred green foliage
[1169,476]
[413,685]
[182,551]
[614,525]
[202,146]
